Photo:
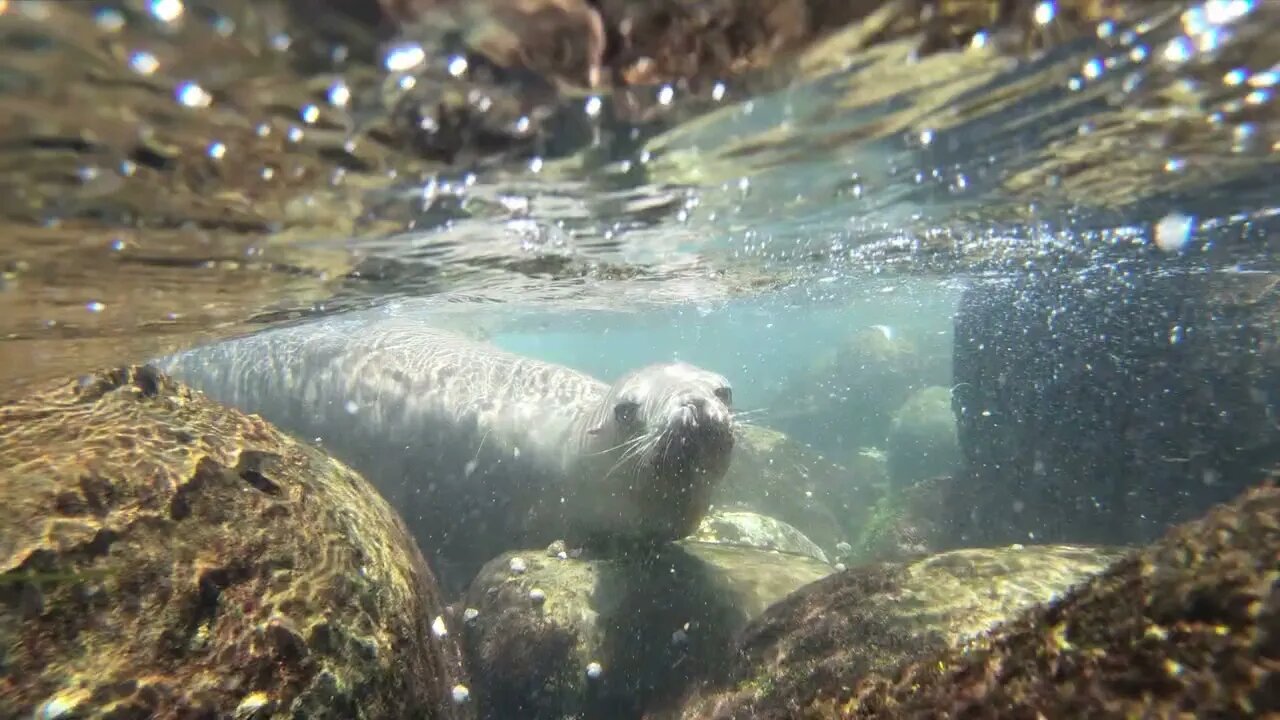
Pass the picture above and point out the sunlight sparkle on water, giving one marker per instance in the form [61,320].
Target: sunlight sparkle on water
[339,94]
[192,95]
[1173,232]
[1218,12]
[166,10]
[109,19]
[143,63]
[1179,50]
[1045,12]
[404,57]
[1265,79]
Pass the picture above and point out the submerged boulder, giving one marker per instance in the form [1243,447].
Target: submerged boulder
[774,475]
[551,636]
[873,618]
[847,400]
[904,523]
[751,529]
[1187,627]
[1106,405]
[922,437]
[163,556]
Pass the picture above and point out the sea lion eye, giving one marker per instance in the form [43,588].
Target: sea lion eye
[725,394]
[625,412]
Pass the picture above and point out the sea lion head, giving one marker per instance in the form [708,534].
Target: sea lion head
[659,443]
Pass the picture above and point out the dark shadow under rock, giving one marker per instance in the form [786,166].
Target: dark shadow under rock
[557,637]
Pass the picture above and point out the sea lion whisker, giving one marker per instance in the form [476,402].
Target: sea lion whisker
[637,449]
[625,443]
[644,445]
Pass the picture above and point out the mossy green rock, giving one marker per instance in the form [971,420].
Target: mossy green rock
[922,437]
[873,618]
[1189,627]
[774,475]
[162,556]
[654,622]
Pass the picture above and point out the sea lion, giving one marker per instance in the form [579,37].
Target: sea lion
[482,450]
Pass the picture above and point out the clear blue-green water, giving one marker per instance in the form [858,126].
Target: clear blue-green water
[1072,243]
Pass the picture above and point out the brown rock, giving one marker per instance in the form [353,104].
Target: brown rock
[558,39]
[162,556]
[874,617]
[614,637]
[1188,627]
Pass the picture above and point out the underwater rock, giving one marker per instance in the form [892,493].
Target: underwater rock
[773,475]
[875,617]
[922,437]
[751,529]
[847,400]
[1104,406]
[904,523]
[163,556]
[1186,628]
[553,637]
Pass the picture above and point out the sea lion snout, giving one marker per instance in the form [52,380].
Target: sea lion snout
[701,411]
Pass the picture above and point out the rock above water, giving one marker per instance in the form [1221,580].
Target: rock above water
[162,556]
[612,638]
[875,617]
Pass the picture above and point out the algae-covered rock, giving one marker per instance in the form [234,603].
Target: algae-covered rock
[904,523]
[874,617]
[1187,627]
[751,529]
[922,437]
[162,556]
[774,475]
[553,637]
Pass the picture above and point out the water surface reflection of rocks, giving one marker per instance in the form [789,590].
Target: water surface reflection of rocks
[177,171]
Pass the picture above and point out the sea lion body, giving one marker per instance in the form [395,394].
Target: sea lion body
[482,450]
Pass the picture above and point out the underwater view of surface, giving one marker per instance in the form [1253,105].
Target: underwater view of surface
[639,359]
